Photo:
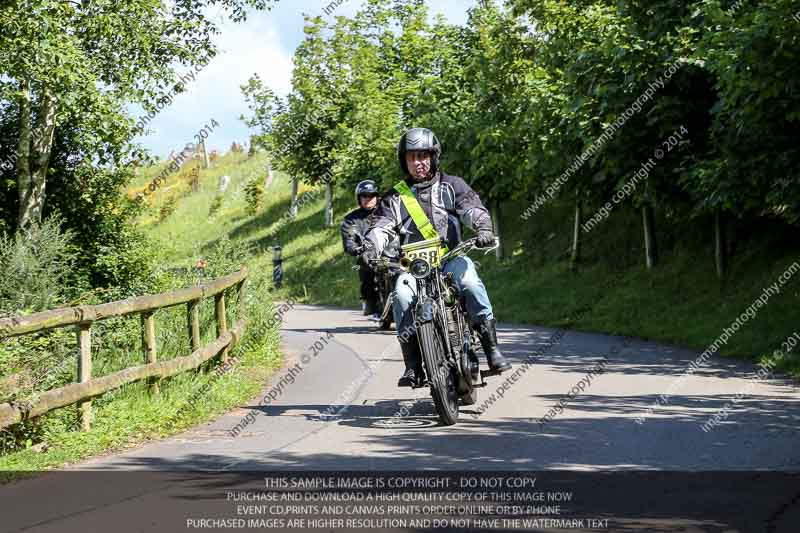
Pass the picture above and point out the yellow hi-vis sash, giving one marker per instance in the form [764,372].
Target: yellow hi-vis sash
[419,217]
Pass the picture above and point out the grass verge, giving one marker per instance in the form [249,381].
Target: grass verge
[130,415]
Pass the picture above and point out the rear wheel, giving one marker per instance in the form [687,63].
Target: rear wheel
[386,314]
[385,305]
[440,374]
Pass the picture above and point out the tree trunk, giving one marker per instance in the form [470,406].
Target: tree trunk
[721,244]
[206,163]
[35,145]
[650,245]
[576,235]
[328,204]
[269,177]
[495,211]
[24,181]
[293,206]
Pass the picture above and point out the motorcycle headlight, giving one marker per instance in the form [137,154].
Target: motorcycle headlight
[419,268]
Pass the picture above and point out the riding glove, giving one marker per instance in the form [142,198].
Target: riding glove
[368,254]
[485,239]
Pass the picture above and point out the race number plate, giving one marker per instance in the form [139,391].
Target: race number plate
[428,250]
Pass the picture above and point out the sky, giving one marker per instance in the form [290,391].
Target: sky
[263,45]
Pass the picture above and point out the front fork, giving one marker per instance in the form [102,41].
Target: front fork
[426,311]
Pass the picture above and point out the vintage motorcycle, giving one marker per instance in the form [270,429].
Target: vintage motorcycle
[446,338]
[382,271]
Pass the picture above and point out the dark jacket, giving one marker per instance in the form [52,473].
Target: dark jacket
[448,202]
[354,228]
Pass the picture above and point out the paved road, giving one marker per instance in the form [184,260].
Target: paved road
[588,448]
[359,367]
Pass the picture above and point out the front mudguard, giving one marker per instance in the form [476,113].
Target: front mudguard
[426,310]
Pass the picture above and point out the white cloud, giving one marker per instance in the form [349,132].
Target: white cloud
[264,44]
[244,49]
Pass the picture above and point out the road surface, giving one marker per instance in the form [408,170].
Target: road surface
[342,411]
[598,429]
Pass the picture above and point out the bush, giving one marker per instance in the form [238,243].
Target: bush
[254,195]
[37,266]
[167,208]
[126,261]
[227,256]
[216,204]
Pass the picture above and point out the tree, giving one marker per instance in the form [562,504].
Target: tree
[65,59]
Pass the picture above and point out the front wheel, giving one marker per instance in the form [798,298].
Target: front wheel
[440,373]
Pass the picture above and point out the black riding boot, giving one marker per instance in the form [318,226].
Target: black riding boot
[412,377]
[488,335]
[371,306]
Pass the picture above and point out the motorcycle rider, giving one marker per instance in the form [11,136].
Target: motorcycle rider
[430,197]
[354,229]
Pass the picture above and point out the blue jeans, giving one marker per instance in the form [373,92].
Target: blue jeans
[468,282]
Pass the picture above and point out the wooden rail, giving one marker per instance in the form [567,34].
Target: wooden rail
[153,370]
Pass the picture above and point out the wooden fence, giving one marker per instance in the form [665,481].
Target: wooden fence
[82,319]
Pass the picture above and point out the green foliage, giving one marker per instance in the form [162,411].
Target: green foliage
[216,204]
[167,208]
[751,52]
[522,90]
[254,195]
[37,268]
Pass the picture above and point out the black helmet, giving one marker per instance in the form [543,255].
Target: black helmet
[365,187]
[419,140]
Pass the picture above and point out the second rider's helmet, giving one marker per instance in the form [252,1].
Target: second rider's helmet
[419,140]
[366,187]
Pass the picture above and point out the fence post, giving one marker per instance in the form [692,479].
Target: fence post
[193,321]
[240,289]
[84,333]
[222,321]
[194,324]
[149,344]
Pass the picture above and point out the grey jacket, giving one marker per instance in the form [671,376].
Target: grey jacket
[448,202]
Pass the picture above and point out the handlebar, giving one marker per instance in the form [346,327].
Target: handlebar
[381,262]
[462,249]
[466,247]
